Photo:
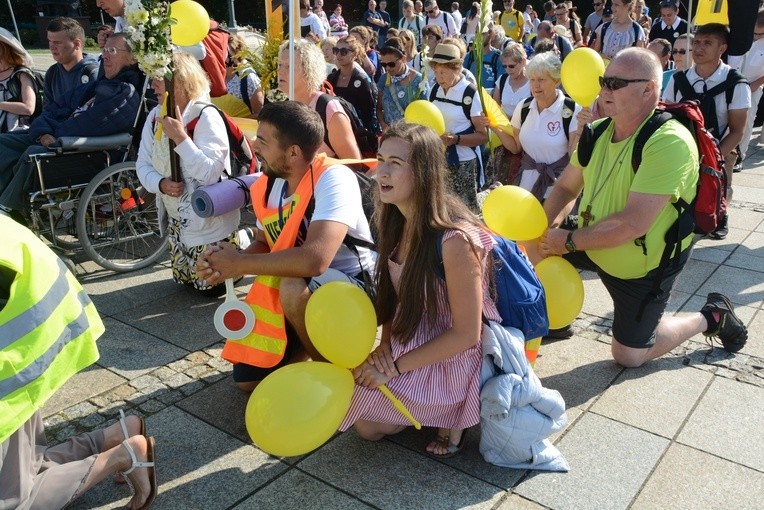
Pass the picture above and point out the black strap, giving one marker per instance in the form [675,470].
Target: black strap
[245,91]
[321,103]
[502,83]
[568,103]
[469,91]
[587,140]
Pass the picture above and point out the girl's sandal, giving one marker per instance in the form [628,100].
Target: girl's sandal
[150,464]
[451,448]
[118,478]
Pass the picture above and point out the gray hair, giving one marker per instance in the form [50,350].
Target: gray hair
[547,64]
[312,60]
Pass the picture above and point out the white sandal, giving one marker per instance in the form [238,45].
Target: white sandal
[118,478]
[150,464]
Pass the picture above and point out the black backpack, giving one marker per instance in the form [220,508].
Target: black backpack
[707,99]
[14,89]
[569,104]
[367,140]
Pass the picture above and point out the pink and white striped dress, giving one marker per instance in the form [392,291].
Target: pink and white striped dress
[445,394]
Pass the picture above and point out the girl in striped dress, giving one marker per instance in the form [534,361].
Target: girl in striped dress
[430,353]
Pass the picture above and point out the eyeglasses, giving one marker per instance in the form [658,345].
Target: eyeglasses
[341,51]
[614,83]
[111,50]
[597,4]
[390,64]
[680,52]
[430,11]
[509,66]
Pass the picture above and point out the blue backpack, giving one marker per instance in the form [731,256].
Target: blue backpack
[520,298]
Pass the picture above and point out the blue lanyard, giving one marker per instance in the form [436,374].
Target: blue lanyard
[281,198]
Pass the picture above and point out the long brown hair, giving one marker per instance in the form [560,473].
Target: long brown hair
[437,210]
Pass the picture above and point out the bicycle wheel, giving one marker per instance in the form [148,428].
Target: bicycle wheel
[118,222]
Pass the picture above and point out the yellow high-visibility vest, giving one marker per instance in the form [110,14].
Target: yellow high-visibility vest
[48,326]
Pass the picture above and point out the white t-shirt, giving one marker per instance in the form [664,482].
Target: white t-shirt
[448,26]
[541,135]
[511,98]
[741,97]
[457,19]
[453,114]
[338,198]
[315,25]
[752,63]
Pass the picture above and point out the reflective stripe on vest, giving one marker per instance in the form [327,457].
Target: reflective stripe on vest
[48,327]
[266,345]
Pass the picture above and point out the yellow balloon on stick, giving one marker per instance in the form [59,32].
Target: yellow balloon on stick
[580,75]
[347,341]
[564,290]
[193,22]
[427,114]
[513,212]
[297,408]
[341,323]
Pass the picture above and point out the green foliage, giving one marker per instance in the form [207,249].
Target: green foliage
[265,62]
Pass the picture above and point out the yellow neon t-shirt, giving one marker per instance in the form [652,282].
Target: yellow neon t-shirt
[669,167]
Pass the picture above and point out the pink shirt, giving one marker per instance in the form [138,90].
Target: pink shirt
[332,108]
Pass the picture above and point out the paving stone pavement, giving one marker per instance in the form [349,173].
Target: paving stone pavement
[681,432]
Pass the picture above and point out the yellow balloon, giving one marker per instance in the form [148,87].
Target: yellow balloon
[192,25]
[564,290]
[580,75]
[341,323]
[298,407]
[514,213]
[427,114]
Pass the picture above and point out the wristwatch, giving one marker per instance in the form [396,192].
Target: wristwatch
[569,244]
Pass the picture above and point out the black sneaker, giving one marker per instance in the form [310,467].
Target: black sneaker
[559,334]
[722,230]
[730,330]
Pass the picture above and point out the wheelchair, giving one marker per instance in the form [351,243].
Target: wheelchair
[87,198]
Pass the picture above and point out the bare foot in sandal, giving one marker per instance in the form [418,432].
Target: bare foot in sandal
[447,444]
[142,478]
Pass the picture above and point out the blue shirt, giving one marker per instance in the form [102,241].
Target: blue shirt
[492,67]
[386,18]
[368,14]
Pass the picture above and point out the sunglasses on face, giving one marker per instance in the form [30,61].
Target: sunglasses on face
[430,12]
[341,51]
[509,66]
[614,83]
[596,4]
[389,64]
[680,52]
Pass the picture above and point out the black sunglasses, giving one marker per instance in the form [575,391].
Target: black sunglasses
[509,66]
[614,83]
[680,52]
[597,4]
[389,64]
[341,51]
[430,12]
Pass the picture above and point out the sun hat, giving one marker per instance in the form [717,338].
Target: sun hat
[445,54]
[7,38]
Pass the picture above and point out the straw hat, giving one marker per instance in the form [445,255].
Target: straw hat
[7,38]
[445,54]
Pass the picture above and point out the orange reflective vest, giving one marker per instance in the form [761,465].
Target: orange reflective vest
[265,346]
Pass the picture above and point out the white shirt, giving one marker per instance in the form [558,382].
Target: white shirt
[312,21]
[511,98]
[453,114]
[752,63]
[541,135]
[741,97]
[674,26]
[457,19]
[449,26]
[338,199]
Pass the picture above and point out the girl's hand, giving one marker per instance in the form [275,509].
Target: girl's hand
[368,376]
[382,359]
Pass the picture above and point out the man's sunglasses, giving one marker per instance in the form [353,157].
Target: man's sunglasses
[341,51]
[389,64]
[597,4]
[680,52]
[614,83]
[430,12]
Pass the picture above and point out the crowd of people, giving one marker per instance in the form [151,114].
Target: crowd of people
[427,265]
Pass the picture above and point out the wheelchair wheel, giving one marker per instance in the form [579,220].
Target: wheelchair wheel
[118,222]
